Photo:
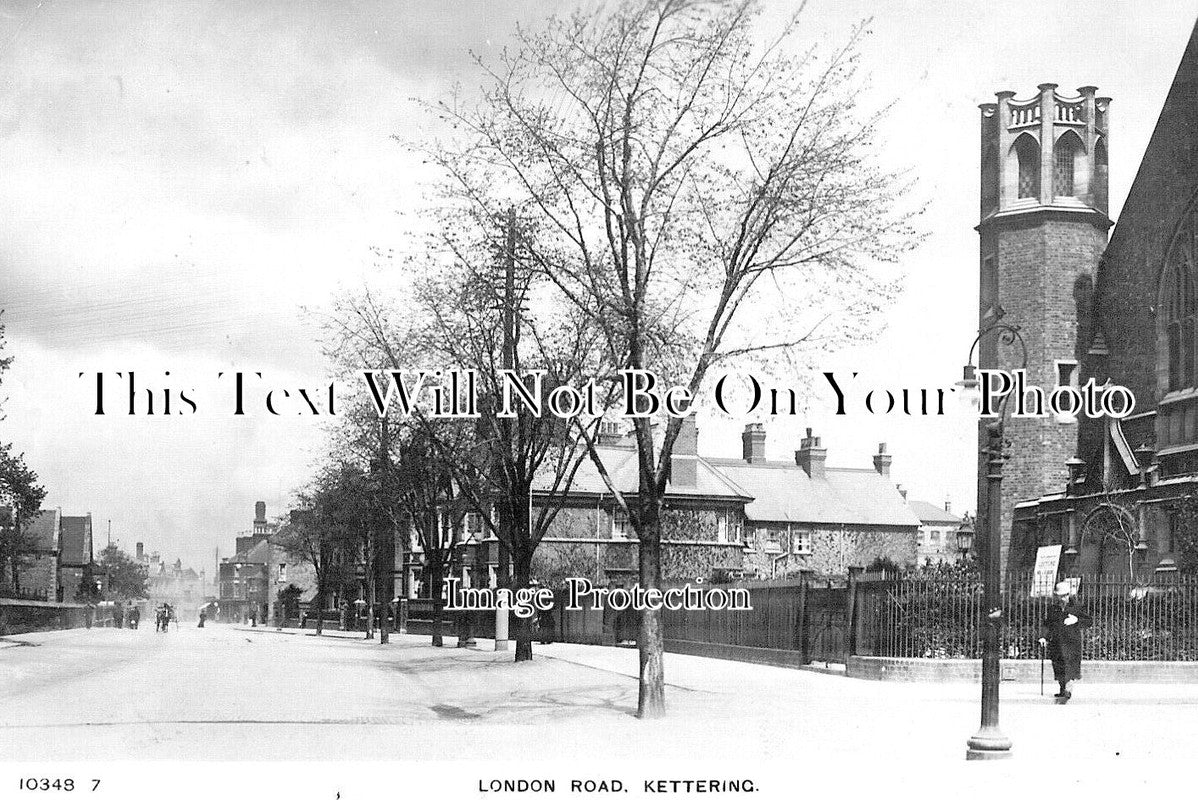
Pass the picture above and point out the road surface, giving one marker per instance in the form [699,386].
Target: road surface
[226,693]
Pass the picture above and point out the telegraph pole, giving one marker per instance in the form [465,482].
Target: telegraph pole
[510,338]
[383,517]
[270,583]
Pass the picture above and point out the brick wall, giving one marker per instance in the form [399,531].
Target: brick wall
[1045,263]
[833,549]
[40,574]
[70,578]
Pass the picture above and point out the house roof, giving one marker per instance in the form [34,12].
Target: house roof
[783,492]
[76,541]
[255,555]
[774,491]
[45,529]
[621,466]
[930,513]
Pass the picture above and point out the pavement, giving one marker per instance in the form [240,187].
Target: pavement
[233,693]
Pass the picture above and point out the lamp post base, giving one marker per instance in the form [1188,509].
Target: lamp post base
[988,745]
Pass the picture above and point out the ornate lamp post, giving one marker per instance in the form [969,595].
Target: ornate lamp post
[989,742]
[965,538]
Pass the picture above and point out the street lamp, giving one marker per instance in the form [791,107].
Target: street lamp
[359,610]
[965,538]
[989,743]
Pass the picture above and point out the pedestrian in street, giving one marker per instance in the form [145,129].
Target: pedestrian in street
[1061,634]
[203,616]
[134,617]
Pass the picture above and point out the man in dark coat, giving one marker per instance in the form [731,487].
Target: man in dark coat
[1062,635]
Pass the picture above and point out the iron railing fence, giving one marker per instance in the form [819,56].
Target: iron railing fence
[806,616]
[940,617]
[10,593]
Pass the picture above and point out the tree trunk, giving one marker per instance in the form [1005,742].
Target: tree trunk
[436,583]
[370,620]
[651,698]
[319,600]
[522,569]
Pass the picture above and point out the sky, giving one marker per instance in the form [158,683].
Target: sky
[184,187]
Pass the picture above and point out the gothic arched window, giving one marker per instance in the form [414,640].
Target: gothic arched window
[1062,161]
[1180,307]
[1100,168]
[1028,154]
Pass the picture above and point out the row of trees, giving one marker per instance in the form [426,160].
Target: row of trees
[654,185]
[115,574]
[21,496]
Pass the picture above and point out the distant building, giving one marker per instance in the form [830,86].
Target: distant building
[242,580]
[37,569]
[174,584]
[937,537]
[75,556]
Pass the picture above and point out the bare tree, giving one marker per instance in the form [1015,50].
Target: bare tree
[424,485]
[326,528]
[673,169]
[471,312]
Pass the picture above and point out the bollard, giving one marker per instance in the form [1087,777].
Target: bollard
[501,620]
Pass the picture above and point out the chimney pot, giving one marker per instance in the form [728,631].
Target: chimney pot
[882,461]
[811,456]
[753,443]
[684,460]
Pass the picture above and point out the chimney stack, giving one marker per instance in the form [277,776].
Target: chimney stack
[811,457]
[948,506]
[684,461]
[141,550]
[882,461]
[753,443]
[260,511]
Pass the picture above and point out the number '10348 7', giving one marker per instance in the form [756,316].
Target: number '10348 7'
[47,784]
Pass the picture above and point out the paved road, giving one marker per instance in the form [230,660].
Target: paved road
[231,694]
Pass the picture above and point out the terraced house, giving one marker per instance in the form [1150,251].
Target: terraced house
[730,518]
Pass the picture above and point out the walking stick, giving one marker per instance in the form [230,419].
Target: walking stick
[1041,670]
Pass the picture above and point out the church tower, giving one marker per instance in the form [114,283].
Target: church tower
[1043,228]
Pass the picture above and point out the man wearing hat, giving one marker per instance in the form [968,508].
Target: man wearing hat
[1062,635]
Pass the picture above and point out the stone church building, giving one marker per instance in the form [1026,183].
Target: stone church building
[1120,495]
